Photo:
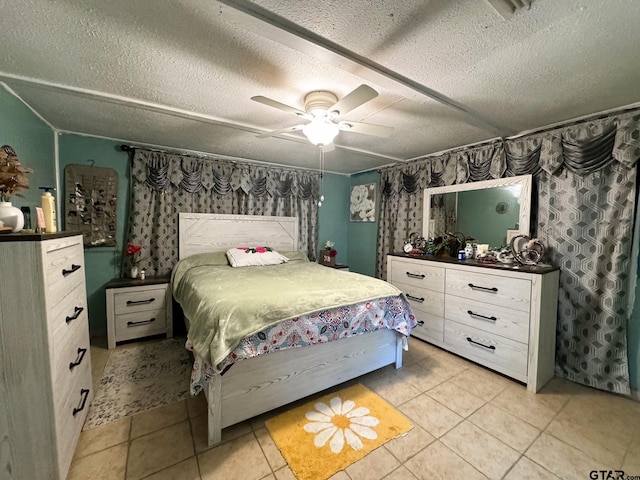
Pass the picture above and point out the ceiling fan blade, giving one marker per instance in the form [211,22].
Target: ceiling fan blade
[366,129]
[278,132]
[352,100]
[280,106]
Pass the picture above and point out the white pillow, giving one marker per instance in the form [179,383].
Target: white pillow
[254,256]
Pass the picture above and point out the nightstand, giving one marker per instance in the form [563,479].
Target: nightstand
[138,308]
[339,266]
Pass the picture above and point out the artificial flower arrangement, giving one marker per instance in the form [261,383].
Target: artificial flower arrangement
[329,246]
[134,252]
[328,255]
[13,176]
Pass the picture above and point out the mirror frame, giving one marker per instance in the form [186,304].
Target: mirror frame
[524,181]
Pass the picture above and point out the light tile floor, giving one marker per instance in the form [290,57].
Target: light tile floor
[470,423]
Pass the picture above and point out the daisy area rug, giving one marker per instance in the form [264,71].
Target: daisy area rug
[141,377]
[330,433]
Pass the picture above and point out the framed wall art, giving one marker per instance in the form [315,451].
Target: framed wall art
[363,203]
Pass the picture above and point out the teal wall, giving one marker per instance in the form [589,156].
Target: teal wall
[363,236]
[102,263]
[333,216]
[33,141]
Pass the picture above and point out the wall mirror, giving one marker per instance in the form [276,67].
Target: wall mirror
[491,211]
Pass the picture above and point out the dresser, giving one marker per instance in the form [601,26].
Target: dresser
[502,317]
[45,386]
[138,308]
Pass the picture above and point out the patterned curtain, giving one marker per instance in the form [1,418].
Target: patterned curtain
[584,208]
[164,184]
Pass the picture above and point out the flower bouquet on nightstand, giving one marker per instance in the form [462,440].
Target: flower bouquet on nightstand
[133,251]
[328,255]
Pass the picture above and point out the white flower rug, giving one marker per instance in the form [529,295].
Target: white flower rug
[139,378]
[330,433]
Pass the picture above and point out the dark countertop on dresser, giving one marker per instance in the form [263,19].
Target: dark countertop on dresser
[516,267]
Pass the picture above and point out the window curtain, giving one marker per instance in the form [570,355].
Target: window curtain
[584,209]
[164,184]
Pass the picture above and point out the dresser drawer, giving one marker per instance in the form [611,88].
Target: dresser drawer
[139,300]
[422,299]
[430,327]
[506,322]
[140,324]
[507,292]
[63,262]
[68,315]
[74,350]
[68,425]
[491,350]
[417,273]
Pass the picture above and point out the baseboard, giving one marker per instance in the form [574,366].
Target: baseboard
[635,395]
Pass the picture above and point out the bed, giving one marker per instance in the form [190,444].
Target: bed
[240,390]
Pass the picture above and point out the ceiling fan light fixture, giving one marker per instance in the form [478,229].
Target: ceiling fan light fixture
[320,131]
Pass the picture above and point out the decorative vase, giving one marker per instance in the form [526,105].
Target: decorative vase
[134,271]
[11,216]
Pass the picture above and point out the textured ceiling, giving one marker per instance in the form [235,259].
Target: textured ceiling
[180,74]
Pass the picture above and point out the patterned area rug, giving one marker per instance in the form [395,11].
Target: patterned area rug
[330,433]
[139,378]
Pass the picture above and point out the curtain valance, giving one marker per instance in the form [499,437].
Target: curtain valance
[583,148]
[195,175]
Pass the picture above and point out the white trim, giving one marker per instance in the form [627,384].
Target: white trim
[10,90]
[58,193]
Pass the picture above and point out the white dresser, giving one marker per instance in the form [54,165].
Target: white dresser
[501,317]
[45,387]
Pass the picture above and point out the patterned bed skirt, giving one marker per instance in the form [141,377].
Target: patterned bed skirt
[318,327]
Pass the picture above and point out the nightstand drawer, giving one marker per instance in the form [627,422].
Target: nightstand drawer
[140,324]
[132,300]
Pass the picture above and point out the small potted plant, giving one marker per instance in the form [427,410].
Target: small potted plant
[13,179]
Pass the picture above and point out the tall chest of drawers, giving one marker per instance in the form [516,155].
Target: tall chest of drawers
[45,387]
[500,317]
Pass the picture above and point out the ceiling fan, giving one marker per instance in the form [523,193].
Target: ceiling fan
[322,110]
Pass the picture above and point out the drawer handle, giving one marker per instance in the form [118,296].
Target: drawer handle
[79,358]
[474,314]
[74,268]
[416,275]
[140,302]
[76,313]
[420,323]
[488,347]
[415,299]
[492,289]
[85,394]
[143,322]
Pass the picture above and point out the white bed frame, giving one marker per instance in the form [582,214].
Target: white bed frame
[262,383]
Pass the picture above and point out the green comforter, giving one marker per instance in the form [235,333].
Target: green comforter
[225,304]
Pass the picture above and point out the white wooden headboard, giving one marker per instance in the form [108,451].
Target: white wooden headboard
[212,232]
